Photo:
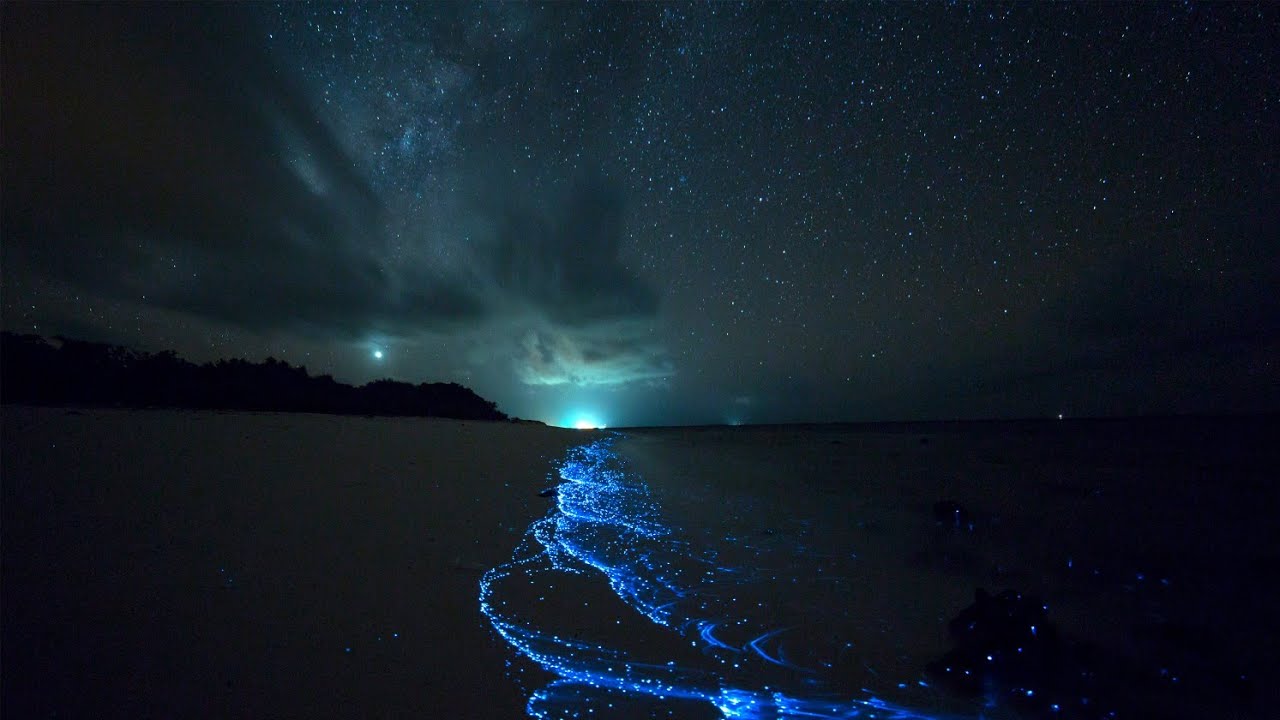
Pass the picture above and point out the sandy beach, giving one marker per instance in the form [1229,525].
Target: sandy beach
[180,564]
[876,361]
[162,563]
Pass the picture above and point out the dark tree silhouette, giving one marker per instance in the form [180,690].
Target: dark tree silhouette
[35,371]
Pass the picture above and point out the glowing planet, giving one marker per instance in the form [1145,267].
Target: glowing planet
[377,354]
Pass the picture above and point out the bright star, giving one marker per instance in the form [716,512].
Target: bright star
[377,354]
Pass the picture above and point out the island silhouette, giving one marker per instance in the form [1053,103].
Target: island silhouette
[65,371]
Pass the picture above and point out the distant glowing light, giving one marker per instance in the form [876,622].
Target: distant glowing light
[377,354]
[585,422]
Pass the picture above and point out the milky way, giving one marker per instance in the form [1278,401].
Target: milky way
[665,213]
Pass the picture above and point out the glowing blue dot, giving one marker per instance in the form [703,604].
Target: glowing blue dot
[377,354]
[597,495]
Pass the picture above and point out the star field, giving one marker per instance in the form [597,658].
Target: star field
[666,213]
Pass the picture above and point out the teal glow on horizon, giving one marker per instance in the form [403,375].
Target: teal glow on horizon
[585,421]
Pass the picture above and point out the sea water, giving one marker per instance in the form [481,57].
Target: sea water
[808,573]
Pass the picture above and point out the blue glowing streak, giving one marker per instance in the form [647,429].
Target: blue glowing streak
[705,631]
[755,646]
[605,522]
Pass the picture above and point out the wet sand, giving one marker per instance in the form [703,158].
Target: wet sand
[1153,542]
[160,564]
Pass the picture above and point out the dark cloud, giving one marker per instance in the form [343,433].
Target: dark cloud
[159,157]
[1136,309]
[660,208]
[589,319]
[153,153]
[566,264]
[1133,335]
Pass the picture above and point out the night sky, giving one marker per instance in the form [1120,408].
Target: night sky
[665,214]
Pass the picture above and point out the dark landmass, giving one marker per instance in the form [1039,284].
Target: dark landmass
[34,371]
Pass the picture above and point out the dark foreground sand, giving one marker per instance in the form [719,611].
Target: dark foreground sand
[177,564]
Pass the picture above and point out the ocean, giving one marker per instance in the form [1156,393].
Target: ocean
[163,563]
[1079,569]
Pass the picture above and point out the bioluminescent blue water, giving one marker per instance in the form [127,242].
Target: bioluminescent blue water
[683,623]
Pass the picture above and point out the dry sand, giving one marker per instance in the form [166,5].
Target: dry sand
[194,564]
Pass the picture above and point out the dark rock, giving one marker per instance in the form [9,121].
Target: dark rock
[549,492]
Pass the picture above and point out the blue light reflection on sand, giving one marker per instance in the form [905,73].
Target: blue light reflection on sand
[605,521]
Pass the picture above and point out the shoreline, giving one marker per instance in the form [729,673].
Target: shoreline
[284,564]
[260,565]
